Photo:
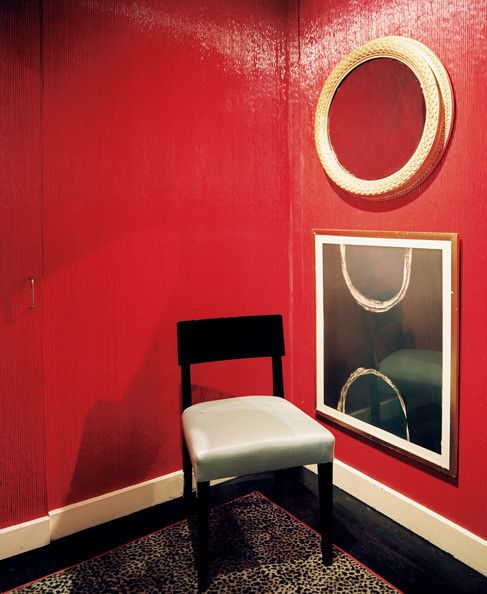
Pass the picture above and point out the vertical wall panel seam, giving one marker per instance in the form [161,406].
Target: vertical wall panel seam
[40,311]
[286,91]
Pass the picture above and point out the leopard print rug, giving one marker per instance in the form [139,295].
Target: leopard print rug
[255,547]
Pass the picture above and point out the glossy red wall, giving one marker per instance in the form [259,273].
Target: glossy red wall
[22,431]
[166,198]
[169,156]
[452,200]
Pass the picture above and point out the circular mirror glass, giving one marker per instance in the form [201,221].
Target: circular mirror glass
[376,118]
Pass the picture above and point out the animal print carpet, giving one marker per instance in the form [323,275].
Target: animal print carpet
[255,547]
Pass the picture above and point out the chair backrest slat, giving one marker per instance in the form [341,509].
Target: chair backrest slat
[219,339]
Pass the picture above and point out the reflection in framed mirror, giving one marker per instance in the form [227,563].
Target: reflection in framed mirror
[386,339]
[384,118]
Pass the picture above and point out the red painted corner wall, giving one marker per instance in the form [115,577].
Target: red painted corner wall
[173,136]
[22,430]
[453,200]
[166,198]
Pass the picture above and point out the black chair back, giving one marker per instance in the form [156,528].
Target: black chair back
[220,339]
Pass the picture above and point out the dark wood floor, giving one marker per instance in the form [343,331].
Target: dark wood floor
[402,558]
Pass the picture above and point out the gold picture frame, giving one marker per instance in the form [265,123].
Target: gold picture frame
[386,339]
[439,113]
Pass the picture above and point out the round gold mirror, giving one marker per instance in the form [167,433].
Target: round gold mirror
[384,118]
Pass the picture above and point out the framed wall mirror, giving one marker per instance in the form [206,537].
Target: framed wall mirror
[384,118]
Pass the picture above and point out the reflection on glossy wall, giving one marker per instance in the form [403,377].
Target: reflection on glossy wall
[381,317]
[165,197]
[164,135]
[171,135]
[451,200]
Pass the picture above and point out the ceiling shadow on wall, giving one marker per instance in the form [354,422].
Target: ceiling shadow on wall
[19,31]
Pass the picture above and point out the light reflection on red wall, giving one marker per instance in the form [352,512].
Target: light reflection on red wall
[166,179]
[451,200]
[377,118]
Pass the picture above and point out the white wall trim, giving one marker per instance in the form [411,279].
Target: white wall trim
[452,538]
[24,537]
[116,504]
[91,512]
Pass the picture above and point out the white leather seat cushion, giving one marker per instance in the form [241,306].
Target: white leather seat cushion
[248,434]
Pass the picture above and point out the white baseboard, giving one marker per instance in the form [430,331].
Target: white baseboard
[91,512]
[446,535]
[116,504]
[24,537]
[452,538]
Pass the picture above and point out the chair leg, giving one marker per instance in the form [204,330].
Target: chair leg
[279,481]
[325,494]
[203,493]
[188,480]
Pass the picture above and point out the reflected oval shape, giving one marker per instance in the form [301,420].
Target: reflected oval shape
[376,118]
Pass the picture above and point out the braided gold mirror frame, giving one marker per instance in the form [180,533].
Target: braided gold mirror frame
[439,111]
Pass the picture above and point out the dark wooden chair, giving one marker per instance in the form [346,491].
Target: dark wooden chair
[246,434]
